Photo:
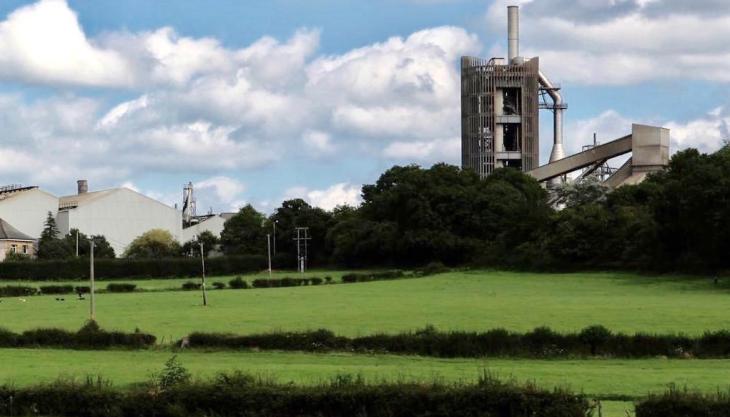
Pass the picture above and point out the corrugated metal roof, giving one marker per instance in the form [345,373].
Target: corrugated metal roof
[76,200]
[8,232]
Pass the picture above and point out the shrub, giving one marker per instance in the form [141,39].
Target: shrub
[56,289]
[432,268]
[316,280]
[595,337]
[675,403]
[121,287]
[219,285]
[88,337]
[191,286]
[125,268]
[372,276]
[83,289]
[328,279]
[238,283]
[17,291]
[242,395]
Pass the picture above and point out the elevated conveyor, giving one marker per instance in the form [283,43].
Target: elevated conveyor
[649,146]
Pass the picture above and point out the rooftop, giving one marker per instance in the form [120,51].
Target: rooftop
[8,232]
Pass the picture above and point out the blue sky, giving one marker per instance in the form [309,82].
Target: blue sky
[257,101]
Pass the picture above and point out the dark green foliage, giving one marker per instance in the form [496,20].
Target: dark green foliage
[219,285]
[52,246]
[154,244]
[238,283]
[129,268]
[191,286]
[56,289]
[372,276]
[244,233]
[83,289]
[285,282]
[102,248]
[209,241]
[676,403]
[121,287]
[17,291]
[298,213]
[243,395]
[174,374]
[539,343]
[88,337]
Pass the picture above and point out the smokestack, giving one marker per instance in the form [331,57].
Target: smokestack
[83,186]
[513,33]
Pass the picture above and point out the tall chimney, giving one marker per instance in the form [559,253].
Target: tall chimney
[83,186]
[513,33]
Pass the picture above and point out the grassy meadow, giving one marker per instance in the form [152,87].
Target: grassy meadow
[457,300]
[470,300]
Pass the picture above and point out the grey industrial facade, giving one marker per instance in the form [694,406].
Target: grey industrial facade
[499,115]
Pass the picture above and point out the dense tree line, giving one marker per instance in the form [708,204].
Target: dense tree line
[678,219]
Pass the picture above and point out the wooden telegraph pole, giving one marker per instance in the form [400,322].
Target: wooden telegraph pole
[202,260]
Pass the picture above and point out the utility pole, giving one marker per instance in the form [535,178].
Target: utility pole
[302,236]
[268,244]
[275,222]
[202,260]
[77,243]
[92,312]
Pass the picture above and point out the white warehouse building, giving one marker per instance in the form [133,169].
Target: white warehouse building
[119,214]
[26,208]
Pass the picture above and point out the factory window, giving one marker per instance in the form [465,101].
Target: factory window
[512,103]
[513,163]
[512,138]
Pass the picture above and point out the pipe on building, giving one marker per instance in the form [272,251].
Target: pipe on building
[82,186]
[513,33]
[558,151]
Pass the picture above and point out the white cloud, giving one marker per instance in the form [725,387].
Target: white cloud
[44,42]
[439,150]
[227,190]
[329,198]
[622,42]
[318,143]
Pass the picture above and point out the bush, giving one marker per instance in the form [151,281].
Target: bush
[191,286]
[17,291]
[56,289]
[121,268]
[83,289]
[316,280]
[219,285]
[121,287]
[238,283]
[539,343]
[676,403]
[432,268]
[242,395]
[372,276]
[88,337]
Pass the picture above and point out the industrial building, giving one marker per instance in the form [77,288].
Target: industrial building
[14,241]
[119,214]
[500,103]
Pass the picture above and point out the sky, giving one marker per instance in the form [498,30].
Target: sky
[259,101]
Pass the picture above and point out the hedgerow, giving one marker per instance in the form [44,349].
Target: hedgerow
[243,395]
[676,403]
[88,337]
[541,343]
[42,270]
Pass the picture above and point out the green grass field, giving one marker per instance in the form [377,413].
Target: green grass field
[459,300]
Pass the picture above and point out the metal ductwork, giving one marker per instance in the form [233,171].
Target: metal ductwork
[558,151]
[513,33]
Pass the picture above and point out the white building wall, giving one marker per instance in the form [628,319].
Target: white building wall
[213,225]
[121,216]
[27,210]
